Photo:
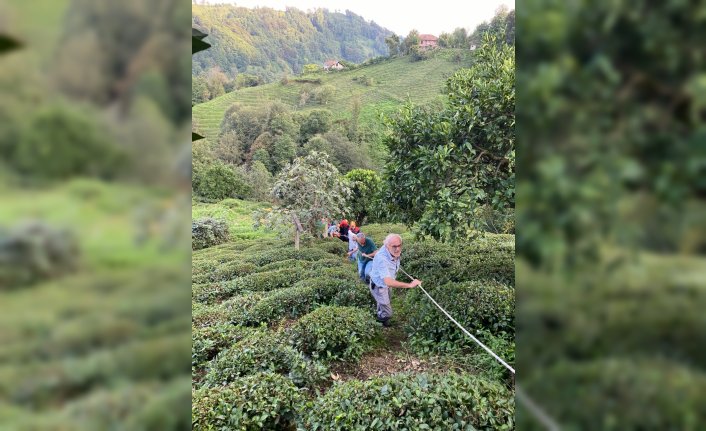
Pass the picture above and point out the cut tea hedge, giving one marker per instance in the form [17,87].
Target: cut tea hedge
[334,333]
[207,342]
[478,306]
[413,402]
[263,351]
[627,394]
[207,232]
[264,401]
[488,258]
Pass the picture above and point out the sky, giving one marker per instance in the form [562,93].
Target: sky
[431,17]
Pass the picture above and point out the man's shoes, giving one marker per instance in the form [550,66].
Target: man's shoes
[385,322]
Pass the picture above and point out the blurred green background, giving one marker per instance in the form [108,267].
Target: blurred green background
[95,255]
[611,273]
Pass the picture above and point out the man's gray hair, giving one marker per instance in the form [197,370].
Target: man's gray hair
[389,238]
[360,235]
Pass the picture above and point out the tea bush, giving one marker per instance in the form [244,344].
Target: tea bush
[289,302]
[306,295]
[207,342]
[281,253]
[346,291]
[203,315]
[491,257]
[232,310]
[345,272]
[614,393]
[224,272]
[331,245]
[334,333]
[478,306]
[260,281]
[263,351]
[263,401]
[412,402]
[282,264]
[617,315]
[44,384]
[379,231]
[207,232]
[36,251]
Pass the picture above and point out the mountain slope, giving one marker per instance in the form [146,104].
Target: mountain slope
[270,43]
[380,87]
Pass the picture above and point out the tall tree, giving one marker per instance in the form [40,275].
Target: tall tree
[306,191]
[393,44]
[444,165]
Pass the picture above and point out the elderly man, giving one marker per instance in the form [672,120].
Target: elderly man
[383,276]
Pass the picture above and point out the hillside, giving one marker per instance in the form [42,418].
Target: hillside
[269,43]
[381,87]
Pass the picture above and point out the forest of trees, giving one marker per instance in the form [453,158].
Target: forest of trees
[266,43]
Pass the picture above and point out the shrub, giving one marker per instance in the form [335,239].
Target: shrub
[379,231]
[62,141]
[613,393]
[307,295]
[290,302]
[263,351]
[287,263]
[344,291]
[205,315]
[228,271]
[219,181]
[35,251]
[231,310]
[412,402]
[331,245]
[269,256]
[485,306]
[264,401]
[236,308]
[490,257]
[324,264]
[206,232]
[334,333]
[207,342]
[256,282]
[635,310]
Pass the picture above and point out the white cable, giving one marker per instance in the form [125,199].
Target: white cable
[533,408]
[462,328]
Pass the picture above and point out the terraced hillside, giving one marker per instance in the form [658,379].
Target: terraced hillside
[113,331]
[290,336]
[381,88]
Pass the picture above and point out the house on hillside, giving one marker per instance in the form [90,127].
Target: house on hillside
[332,64]
[428,41]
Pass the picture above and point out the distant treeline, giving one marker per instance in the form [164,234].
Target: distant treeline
[268,43]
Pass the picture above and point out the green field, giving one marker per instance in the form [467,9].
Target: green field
[238,215]
[114,332]
[394,81]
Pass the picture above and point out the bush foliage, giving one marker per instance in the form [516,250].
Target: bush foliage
[413,402]
[259,352]
[35,251]
[333,332]
[207,232]
[613,393]
[263,401]
[477,306]
[489,257]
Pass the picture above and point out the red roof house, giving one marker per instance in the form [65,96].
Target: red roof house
[428,41]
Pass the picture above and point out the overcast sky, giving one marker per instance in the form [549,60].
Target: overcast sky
[433,16]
